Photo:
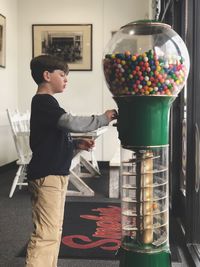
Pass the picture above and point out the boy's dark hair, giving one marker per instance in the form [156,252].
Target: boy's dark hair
[43,63]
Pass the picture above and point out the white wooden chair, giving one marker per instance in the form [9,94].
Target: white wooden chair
[20,127]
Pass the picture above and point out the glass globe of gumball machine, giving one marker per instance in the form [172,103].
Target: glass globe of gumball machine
[145,65]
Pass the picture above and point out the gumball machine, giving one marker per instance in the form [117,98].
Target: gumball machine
[145,65]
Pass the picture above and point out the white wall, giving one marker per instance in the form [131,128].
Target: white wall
[87,92]
[8,79]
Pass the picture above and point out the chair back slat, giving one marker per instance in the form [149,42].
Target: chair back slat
[20,127]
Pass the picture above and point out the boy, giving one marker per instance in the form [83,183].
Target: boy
[52,148]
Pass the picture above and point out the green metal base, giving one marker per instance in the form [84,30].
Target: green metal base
[143,120]
[134,259]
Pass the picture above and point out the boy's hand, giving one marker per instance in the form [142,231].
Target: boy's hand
[111,114]
[85,144]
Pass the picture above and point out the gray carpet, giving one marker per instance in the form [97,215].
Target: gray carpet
[16,226]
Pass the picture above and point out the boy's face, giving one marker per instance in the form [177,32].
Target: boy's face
[57,80]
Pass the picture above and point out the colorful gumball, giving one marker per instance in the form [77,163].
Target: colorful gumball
[144,74]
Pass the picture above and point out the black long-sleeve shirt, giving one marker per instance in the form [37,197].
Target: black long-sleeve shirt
[50,140]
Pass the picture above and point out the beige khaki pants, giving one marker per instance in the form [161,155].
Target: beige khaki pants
[48,201]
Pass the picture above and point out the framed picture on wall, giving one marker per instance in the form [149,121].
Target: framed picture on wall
[2,41]
[71,42]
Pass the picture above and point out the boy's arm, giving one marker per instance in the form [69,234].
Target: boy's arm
[81,124]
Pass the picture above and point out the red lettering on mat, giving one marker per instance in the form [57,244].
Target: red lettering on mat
[108,229]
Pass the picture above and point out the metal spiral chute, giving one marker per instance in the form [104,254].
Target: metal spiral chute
[144,199]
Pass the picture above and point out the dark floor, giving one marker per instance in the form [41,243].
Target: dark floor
[16,226]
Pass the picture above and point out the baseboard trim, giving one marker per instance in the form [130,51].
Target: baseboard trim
[8,166]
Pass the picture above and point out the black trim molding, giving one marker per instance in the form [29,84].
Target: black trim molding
[7,167]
